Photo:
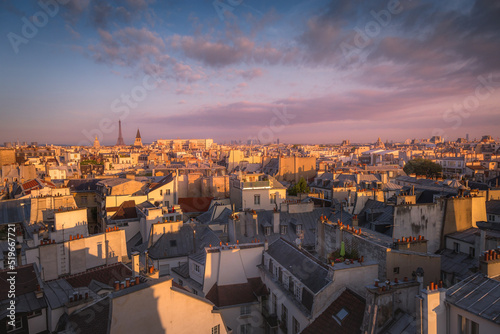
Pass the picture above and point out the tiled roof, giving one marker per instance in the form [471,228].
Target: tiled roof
[327,323]
[26,280]
[125,211]
[105,274]
[235,294]
[195,204]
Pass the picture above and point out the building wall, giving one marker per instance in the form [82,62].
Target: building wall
[463,213]
[39,323]
[76,256]
[291,169]
[329,239]
[420,219]
[159,309]
[7,156]
[485,326]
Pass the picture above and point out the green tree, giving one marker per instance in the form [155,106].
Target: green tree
[423,167]
[299,188]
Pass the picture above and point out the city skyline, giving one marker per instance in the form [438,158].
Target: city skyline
[304,72]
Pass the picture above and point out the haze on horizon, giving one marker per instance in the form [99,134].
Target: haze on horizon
[323,70]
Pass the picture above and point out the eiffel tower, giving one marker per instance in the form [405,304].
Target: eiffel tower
[120,141]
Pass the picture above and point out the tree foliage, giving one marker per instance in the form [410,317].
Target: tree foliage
[423,167]
[299,188]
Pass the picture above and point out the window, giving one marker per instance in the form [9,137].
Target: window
[256,199]
[245,329]
[173,243]
[291,285]
[195,292]
[216,329]
[273,199]
[167,191]
[456,247]
[340,315]
[197,268]
[161,192]
[181,283]
[18,324]
[298,292]
[274,305]
[284,317]
[298,228]
[467,326]
[472,251]
[396,270]
[267,230]
[245,310]
[295,326]
[283,229]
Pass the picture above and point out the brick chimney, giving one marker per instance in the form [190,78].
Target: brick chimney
[489,263]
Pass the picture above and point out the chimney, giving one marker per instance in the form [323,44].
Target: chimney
[137,280]
[135,264]
[276,221]
[127,282]
[355,220]
[489,263]
[232,227]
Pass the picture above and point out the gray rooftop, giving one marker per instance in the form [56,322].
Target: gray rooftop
[300,264]
[477,294]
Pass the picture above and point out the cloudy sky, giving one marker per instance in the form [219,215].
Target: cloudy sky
[302,71]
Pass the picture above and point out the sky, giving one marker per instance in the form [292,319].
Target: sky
[312,71]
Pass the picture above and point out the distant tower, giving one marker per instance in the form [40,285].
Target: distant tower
[138,140]
[96,143]
[120,141]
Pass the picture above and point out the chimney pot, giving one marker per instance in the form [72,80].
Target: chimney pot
[86,295]
[396,280]
[127,282]
[80,297]
[376,282]
[122,286]
[117,285]
[405,279]
[137,281]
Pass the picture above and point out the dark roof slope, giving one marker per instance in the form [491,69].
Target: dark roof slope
[78,322]
[195,204]
[493,207]
[328,323]
[235,294]
[125,211]
[312,273]
[106,274]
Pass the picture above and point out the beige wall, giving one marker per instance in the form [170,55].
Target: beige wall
[163,309]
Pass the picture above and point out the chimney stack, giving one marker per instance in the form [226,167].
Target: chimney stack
[276,222]
[135,264]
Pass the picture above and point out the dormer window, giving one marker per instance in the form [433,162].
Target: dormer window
[341,315]
[283,229]
[298,228]
[267,230]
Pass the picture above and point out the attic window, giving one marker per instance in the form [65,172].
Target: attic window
[340,316]
[173,243]
[283,229]
[267,230]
